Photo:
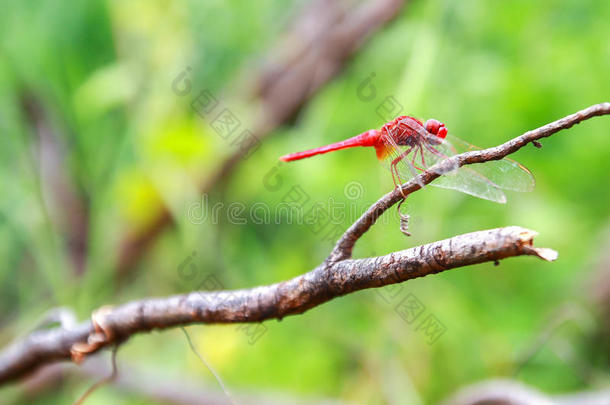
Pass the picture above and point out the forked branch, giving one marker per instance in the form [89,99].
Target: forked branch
[338,275]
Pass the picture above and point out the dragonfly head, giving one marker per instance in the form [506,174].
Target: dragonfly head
[436,127]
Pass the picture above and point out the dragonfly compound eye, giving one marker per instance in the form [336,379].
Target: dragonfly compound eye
[433,126]
[442,132]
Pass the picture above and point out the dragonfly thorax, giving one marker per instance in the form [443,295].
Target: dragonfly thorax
[404,130]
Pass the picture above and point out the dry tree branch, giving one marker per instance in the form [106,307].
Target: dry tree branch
[111,325]
[337,276]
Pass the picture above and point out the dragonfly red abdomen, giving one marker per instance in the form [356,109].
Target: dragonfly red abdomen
[368,138]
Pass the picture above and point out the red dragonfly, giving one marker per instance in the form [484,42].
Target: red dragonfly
[408,147]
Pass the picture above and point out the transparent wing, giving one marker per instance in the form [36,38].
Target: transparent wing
[462,179]
[470,182]
[505,173]
[484,180]
[431,150]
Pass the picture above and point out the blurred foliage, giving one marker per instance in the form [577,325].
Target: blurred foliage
[102,73]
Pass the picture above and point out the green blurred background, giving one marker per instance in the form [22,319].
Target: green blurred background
[95,142]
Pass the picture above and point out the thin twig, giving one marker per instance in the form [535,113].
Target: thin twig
[207,365]
[103,381]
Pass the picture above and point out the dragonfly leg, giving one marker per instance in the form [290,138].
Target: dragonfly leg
[394,169]
[394,175]
[394,172]
[435,151]
[421,150]
[413,161]
[414,165]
